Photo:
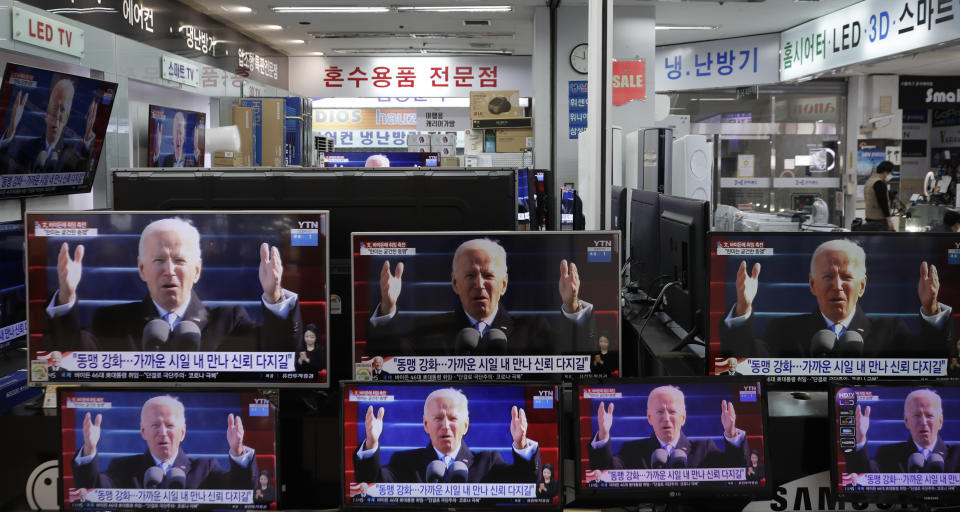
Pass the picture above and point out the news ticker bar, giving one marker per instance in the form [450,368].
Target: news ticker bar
[164,496]
[401,365]
[179,361]
[665,475]
[14,181]
[445,490]
[880,367]
[901,479]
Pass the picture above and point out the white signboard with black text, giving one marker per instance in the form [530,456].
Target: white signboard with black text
[865,31]
[719,63]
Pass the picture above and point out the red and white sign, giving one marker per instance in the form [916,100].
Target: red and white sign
[629,81]
[431,77]
[32,28]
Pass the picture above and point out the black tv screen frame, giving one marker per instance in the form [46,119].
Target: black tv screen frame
[689,220]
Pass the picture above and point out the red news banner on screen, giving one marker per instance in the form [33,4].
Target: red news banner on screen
[178,296]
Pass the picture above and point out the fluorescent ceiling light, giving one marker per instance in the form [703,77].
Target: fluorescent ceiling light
[295,41]
[456,8]
[343,9]
[269,27]
[414,51]
[316,53]
[86,10]
[237,9]
[687,27]
[408,35]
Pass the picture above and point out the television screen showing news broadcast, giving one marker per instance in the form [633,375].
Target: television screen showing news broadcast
[431,306]
[178,296]
[161,450]
[13,288]
[382,160]
[896,440]
[796,305]
[176,137]
[417,446]
[53,130]
[674,437]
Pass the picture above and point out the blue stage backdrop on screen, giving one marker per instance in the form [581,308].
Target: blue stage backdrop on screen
[53,129]
[544,299]
[13,289]
[138,297]
[219,448]
[896,441]
[499,438]
[176,137]
[871,303]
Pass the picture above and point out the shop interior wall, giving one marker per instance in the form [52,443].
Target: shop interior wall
[115,59]
[571,31]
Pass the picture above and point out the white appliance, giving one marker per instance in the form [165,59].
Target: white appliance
[692,168]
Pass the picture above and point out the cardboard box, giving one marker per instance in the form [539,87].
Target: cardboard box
[223,158]
[268,130]
[443,139]
[445,150]
[418,139]
[472,142]
[243,119]
[514,140]
[417,148]
[495,104]
[450,161]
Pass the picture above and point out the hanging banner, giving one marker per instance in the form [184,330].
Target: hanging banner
[719,63]
[925,92]
[629,81]
[577,103]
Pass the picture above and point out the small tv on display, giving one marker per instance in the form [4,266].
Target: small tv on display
[832,304]
[154,298]
[683,229]
[688,438]
[53,130]
[896,442]
[475,305]
[183,449]
[382,160]
[451,445]
[13,289]
[176,137]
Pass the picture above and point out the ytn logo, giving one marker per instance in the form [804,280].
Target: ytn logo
[603,243]
[308,224]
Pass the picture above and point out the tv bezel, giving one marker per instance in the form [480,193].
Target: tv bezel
[265,392]
[492,234]
[561,438]
[20,341]
[928,497]
[644,279]
[186,382]
[697,285]
[587,496]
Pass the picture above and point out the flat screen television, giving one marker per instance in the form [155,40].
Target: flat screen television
[198,297]
[176,137]
[419,299]
[397,435]
[683,229]
[644,238]
[362,200]
[832,304]
[895,442]
[686,438]
[13,289]
[183,449]
[53,130]
[620,217]
[382,160]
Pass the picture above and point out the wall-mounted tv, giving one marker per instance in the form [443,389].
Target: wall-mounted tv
[176,137]
[53,130]
[153,298]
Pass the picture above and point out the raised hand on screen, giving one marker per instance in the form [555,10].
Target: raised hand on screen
[746,288]
[271,272]
[91,434]
[604,422]
[373,426]
[569,286]
[19,103]
[390,284]
[69,271]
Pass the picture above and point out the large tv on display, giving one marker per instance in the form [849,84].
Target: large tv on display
[652,440]
[896,442]
[53,130]
[381,160]
[481,304]
[182,449]
[153,298]
[832,304]
[13,289]
[417,446]
[176,137]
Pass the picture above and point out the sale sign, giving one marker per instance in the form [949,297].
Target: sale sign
[629,81]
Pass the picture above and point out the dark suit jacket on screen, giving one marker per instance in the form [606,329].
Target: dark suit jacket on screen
[435,335]
[410,466]
[700,454]
[223,328]
[127,473]
[171,159]
[70,156]
[790,337]
[892,458]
